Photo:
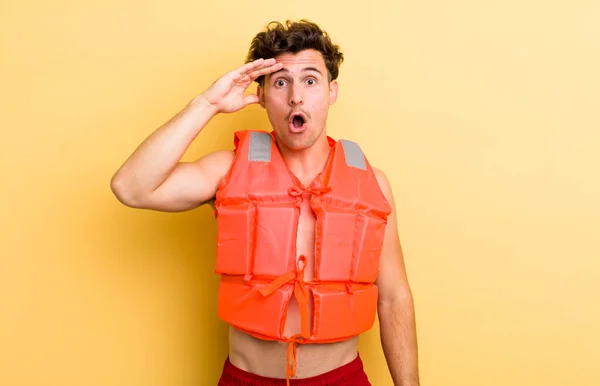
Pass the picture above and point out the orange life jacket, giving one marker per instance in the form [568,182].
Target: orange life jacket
[258,206]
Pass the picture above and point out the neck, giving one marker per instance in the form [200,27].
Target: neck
[306,164]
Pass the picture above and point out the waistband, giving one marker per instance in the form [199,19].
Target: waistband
[338,376]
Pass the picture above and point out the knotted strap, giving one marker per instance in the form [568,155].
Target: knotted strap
[300,292]
[297,191]
[291,357]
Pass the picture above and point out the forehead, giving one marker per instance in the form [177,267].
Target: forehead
[294,63]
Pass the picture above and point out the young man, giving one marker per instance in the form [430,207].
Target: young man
[307,247]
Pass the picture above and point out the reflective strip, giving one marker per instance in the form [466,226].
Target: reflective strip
[260,147]
[354,156]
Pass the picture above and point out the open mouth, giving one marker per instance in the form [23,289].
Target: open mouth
[297,122]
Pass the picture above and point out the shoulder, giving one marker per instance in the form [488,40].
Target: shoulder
[379,174]
[383,181]
[216,163]
[218,158]
[386,188]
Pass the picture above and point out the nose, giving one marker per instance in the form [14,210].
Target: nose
[295,97]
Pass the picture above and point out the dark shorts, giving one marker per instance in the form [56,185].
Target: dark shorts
[350,374]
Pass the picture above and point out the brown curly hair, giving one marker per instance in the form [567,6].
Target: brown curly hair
[295,37]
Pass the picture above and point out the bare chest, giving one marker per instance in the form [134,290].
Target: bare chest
[305,238]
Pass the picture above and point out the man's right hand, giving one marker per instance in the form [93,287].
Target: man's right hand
[226,94]
[154,177]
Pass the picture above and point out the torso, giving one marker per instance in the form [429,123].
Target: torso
[268,358]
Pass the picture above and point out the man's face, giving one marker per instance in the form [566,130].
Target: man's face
[297,98]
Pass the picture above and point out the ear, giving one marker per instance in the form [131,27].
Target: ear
[261,95]
[333,91]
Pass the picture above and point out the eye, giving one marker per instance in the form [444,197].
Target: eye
[311,81]
[280,83]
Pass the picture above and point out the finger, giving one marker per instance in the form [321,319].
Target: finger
[266,70]
[252,66]
[250,99]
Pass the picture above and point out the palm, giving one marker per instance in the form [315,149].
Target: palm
[227,93]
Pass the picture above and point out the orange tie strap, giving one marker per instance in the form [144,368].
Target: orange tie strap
[297,191]
[277,283]
[290,370]
[291,357]
[300,292]
[302,296]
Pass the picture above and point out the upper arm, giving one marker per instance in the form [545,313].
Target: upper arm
[190,184]
[392,281]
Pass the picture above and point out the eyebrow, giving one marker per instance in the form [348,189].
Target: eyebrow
[305,69]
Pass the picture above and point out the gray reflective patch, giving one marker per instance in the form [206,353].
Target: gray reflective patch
[260,147]
[354,156]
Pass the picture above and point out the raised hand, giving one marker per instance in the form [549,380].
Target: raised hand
[226,94]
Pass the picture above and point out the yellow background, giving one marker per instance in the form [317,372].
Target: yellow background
[485,116]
